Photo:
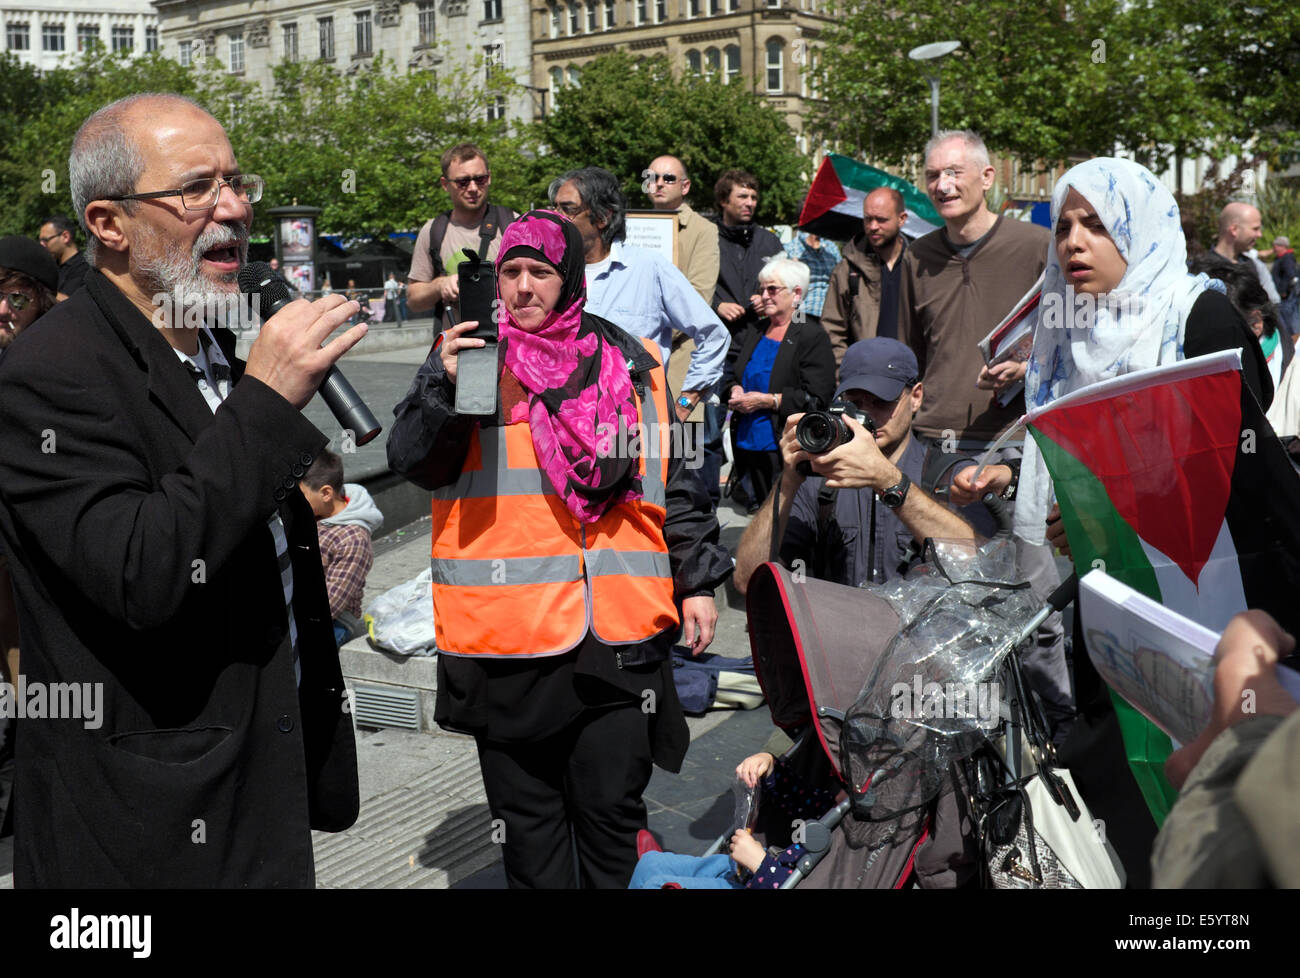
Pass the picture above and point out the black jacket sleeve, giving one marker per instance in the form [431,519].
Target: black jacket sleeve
[700,564]
[1214,325]
[814,376]
[428,441]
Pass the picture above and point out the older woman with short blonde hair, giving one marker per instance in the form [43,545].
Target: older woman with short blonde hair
[785,366]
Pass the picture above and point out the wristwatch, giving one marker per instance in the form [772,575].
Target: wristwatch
[893,496]
[685,402]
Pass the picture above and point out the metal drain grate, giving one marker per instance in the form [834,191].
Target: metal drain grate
[383,706]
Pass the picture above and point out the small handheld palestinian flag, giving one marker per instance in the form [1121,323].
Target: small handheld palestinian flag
[1171,480]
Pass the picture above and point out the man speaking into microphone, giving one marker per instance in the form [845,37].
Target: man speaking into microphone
[158,541]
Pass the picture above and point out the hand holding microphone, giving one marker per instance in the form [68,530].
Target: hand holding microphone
[288,357]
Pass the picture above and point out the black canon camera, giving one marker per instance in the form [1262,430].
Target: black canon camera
[821,431]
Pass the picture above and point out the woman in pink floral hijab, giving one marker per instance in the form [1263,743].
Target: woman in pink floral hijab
[559,373]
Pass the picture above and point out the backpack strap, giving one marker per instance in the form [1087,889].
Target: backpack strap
[436,234]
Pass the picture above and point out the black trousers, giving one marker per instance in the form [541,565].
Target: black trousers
[579,788]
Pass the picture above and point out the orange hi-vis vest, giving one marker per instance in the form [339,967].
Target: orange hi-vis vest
[516,575]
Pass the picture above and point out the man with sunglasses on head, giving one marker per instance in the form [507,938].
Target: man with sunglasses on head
[165,563]
[472,223]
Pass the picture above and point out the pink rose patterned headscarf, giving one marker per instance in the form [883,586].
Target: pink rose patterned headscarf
[578,386]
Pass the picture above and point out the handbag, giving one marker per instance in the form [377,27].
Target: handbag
[1035,831]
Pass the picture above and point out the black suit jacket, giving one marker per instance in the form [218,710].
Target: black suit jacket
[803,373]
[136,522]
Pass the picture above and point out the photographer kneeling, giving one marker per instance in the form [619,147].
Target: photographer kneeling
[866,533]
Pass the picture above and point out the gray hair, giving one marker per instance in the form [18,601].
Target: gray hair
[105,160]
[789,272]
[600,194]
[975,148]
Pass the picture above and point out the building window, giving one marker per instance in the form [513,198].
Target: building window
[557,21]
[715,7]
[185,53]
[491,9]
[574,79]
[289,33]
[557,82]
[733,6]
[609,14]
[642,11]
[122,38]
[661,11]
[325,27]
[19,36]
[236,52]
[575,18]
[732,53]
[694,8]
[693,61]
[424,18]
[493,59]
[712,62]
[151,39]
[774,3]
[775,66]
[52,37]
[364,34]
[593,17]
[87,36]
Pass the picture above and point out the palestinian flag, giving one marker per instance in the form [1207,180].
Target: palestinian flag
[1172,481]
[833,207]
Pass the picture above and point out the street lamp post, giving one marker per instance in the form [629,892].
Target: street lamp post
[933,53]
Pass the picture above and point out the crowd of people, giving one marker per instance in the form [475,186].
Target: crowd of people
[177,501]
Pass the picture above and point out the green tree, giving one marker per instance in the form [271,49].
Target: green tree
[626,112]
[1051,82]
[45,113]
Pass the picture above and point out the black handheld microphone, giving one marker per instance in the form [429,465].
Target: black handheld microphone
[259,279]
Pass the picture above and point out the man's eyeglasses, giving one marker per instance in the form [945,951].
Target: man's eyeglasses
[202,194]
[463,182]
[661,177]
[48,237]
[771,291]
[569,209]
[18,301]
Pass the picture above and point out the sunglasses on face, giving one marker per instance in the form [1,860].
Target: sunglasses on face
[771,291]
[662,177]
[18,301]
[464,182]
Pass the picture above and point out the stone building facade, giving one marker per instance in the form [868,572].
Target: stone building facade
[52,33]
[251,36]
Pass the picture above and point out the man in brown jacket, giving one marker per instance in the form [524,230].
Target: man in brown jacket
[862,300]
[666,184]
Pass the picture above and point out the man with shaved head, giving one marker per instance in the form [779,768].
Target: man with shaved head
[165,563]
[862,299]
[1240,226]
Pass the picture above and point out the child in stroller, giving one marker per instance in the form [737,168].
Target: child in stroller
[786,800]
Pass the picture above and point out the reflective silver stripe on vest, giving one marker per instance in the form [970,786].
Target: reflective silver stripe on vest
[652,483]
[563,568]
[495,479]
[633,563]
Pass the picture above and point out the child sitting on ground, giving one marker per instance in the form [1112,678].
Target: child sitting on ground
[346,516]
[749,866]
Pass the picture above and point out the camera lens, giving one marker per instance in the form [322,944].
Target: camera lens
[816,433]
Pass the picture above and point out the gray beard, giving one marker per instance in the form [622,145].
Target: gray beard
[180,277]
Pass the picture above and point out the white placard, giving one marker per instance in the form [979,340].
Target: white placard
[654,231]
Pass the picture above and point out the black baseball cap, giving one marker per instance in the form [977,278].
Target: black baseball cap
[19,254]
[879,366]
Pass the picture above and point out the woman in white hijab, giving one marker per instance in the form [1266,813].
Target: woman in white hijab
[1117,298]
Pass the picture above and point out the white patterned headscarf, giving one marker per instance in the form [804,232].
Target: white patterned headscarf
[1140,324]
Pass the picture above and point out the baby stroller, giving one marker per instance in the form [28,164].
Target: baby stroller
[909,691]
